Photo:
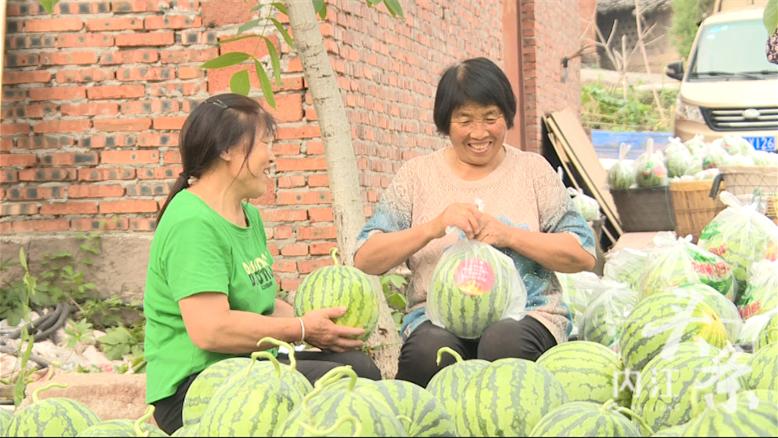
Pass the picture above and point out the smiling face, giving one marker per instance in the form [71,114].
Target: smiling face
[253,173]
[477,134]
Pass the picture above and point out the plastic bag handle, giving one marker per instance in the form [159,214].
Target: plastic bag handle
[715,187]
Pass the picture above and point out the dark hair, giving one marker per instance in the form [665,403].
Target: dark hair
[214,126]
[477,80]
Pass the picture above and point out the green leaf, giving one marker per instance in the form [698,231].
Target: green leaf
[239,83]
[275,59]
[226,60]
[248,25]
[281,8]
[48,5]
[771,16]
[393,281]
[284,33]
[321,8]
[398,318]
[236,38]
[23,259]
[264,82]
[396,301]
[372,3]
[394,8]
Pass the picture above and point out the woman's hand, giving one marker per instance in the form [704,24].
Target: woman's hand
[461,215]
[494,232]
[321,332]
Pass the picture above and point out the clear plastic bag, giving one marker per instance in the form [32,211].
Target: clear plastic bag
[473,286]
[625,266]
[761,294]
[679,160]
[578,290]
[725,308]
[621,175]
[586,205]
[736,145]
[650,170]
[604,317]
[715,156]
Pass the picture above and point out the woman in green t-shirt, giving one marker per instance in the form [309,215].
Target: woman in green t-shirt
[210,291]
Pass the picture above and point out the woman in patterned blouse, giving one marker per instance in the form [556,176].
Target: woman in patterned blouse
[526,213]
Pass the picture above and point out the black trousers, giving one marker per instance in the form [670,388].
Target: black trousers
[524,339]
[312,364]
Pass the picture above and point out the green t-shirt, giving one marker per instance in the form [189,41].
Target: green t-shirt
[196,250]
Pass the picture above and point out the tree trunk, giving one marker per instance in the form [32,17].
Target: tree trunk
[347,204]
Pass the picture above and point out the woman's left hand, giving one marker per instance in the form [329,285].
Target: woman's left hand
[494,232]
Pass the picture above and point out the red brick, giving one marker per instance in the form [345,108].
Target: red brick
[26,77]
[142,224]
[40,109]
[306,131]
[318,181]
[6,144]
[294,249]
[300,164]
[129,157]
[64,208]
[100,224]
[148,189]
[105,174]
[303,198]
[316,233]
[284,215]
[308,266]
[116,92]
[108,24]
[95,191]
[289,108]
[146,73]
[172,22]
[196,37]
[131,56]
[47,174]
[69,159]
[63,126]
[290,284]
[18,160]
[225,12]
[163,123]
[42,226]
[254,46]
[82,8]
[68,58]
[150,106]
[190,72]
[282,232]
[129,206]
[151,139]
[70,40]
[42,141]
[53,24]
[284,266]
[171,89]
[116,140]
[127,6]
[171,157]
[281,149]
[90,109]
[85,75]
[145,39]
[178,56]
[14,128]
[322,248]
[21,59]
[19,208]
[320,214]
[287,182]
[32,192]
[57,93]
[113,125]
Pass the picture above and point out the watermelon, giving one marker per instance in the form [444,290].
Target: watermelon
[187,431]
[56,416]
[725,309]
[670,431]
[626,266]
[752,328]
[769,334]
[664,320]
[124,428]
[761,294]
[472,287]
[673,384]
[507,398]
[764,368]
[447,384]
[206,383]
[758,395]
[603,320]
[585,419]
[340,286]
[5,420]
[250,404]
[588,372]
[337,409]
[735,417]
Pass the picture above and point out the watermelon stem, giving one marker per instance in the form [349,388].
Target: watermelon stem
[334,255]
[448,350]
[46,388]
[640,419]
[336,374]
[265,355]
[139,422]
[279,343]
[328,432]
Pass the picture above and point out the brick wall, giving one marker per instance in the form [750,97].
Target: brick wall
[95,94]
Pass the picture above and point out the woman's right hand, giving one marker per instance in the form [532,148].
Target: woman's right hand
[464,216]
[322,332]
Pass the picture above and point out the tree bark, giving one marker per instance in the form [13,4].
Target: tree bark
[347,203]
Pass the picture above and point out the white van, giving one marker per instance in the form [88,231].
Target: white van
[728,87]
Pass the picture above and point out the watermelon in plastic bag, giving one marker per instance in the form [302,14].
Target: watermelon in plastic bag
[621,175]
[604,317]
[650,170]
[578,290]
[761,294]
[626,266]
[679,160]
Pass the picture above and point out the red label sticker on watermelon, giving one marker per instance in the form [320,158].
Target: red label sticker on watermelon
[474,277]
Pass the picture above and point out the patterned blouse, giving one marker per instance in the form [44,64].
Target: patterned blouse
[523,191]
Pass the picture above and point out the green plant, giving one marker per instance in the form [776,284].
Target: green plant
[79,333]
[393,286]
[687,15]
[122,341]
[603,107]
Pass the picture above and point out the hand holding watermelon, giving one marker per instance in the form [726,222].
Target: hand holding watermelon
[322,332]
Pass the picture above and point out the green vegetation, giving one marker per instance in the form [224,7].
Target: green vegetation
[603,107]
[687,14]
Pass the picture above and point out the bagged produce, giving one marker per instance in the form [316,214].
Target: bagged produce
[741,236]
[696,145]
[725,308]
[678,262]
[715,156]
[761,294]
[621,174]
[764,158]
[650,170]
[604,317]
[679,160]
[586,205]
[578,290]
[626,266]
[736,145]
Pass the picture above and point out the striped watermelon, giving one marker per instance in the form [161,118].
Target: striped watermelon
[674,383]
[337,409]
[56,416]
[124,428]
[752,328]
[507,398]
[447,385]
[585,419]
[206,383]
[340,286]
[470,289]
[588,371]
[671,431]
[758,395]
[603,319]
[725,308]
[187,431]
[764,368]
[664,320]
[5,420]
[735,417]
[250,404]
[760,295]
[769,334]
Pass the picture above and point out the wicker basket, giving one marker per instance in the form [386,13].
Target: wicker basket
[693,207]
[746,182]
[644,209]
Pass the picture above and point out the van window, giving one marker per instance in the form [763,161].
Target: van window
[734,50]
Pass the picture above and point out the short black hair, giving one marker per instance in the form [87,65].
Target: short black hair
[477,80]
